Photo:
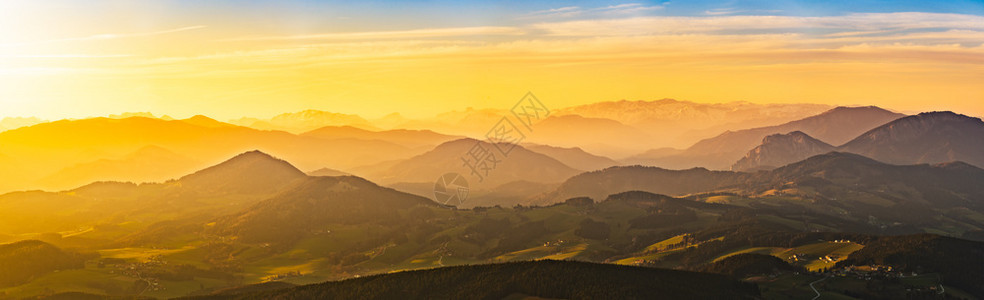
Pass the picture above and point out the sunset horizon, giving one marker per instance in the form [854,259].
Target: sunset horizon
[515,150]
[184,58]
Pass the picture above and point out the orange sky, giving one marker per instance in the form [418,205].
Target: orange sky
[133,58]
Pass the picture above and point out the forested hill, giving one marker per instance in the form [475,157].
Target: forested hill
[544,279]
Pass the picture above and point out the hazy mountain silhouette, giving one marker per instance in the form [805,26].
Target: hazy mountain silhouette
[148,164]
[304,121]
[931,137]
[520,164]
[10,123]
[327,172]
[674,123]
[51,147]
[781,149]
[574,157]
[597,135]
[403,137]
[203,121]
[835,126]
[469,122]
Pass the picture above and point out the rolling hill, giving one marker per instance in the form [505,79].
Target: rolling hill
[599,184]
[315,204]
[844,180]
[534,279]
[959,262]
[24,260]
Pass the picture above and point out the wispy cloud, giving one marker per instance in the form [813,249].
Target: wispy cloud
[68,55]
[109,36]
[563,12]
[618,10]
[686,25]
[732,11]
[396,34]
[722,11]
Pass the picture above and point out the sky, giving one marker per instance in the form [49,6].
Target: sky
[230,59]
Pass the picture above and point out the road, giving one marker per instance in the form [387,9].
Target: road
[815,289]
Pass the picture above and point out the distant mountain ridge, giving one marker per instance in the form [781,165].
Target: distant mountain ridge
[520,164]
[598,135]
[676,123]
[931,137]
[304,121]
[54,146]
[404,137]
[574,157]
[147,164]
[721,152]
[934,137]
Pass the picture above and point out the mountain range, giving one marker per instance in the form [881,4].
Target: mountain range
[675,123]
[934,137]
[304,121]
[69,146]
[225,211]
[834,126]
[257,217]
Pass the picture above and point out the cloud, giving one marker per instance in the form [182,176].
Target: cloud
[627,9]
[618,10]
[563,12]
[732,11]
[109,36]
[395,34]
[727,40]
[710,24]
[69,55]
